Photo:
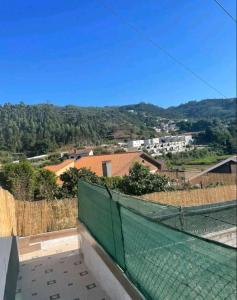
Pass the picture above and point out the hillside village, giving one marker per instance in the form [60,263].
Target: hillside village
[163,145]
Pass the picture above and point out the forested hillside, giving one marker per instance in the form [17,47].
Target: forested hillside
[206,109]
[36,129]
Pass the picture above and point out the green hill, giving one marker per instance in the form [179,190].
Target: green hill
[205,109]
[36,129]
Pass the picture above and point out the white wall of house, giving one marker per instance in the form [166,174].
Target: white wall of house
[135,143]
[151,141]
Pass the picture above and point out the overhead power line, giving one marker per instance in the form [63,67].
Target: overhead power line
[156,45]
[225,10]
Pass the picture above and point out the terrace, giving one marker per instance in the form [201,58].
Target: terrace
[117,237]
[52,267]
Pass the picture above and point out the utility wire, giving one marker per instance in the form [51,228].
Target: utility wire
[156,45]
[225,10]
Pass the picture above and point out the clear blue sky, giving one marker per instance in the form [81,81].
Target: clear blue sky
[78,52]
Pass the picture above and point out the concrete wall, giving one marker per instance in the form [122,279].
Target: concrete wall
[9,264]
[108,274]
[228,236]
[5,246]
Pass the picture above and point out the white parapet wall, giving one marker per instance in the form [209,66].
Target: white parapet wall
[110,277]
[228,236]
[5,246]
[8,267]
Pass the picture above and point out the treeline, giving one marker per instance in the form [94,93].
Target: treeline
[219,135]
[37,129]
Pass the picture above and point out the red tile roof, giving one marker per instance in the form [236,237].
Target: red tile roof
[56,168]
[120,162]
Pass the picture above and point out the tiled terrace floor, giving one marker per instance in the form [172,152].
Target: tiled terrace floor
[57,271]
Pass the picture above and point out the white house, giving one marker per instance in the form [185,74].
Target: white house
[135,144]
[150,142]
[188,139]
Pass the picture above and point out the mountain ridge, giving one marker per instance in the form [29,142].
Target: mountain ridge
[36,129]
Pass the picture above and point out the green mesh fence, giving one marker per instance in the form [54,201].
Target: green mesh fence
[169,264]
[204,219]
[162,261]
[101,216]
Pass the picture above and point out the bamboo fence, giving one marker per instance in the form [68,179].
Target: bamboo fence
[44,216]
[7,214]
[213,178]
[25,218]
[194,197]
[204,180]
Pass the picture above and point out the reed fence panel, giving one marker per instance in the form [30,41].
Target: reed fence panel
[7,214]
[25,218]
[194,197]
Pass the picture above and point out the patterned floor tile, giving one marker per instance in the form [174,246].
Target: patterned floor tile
[58,276]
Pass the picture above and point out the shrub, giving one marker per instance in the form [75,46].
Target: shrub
[141,181]
[70,180]
[113,183]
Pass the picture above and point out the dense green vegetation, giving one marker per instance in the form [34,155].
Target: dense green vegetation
[140,181]
[27,183]
[37,129]
[222,109]
[205,109]
[203,156]
[70,180]
[219,135]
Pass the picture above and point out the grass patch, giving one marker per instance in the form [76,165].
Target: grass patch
[207,160]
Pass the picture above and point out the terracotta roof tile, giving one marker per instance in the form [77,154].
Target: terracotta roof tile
[55,168]
[121,163]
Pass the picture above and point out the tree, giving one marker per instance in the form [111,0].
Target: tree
[45,184]
[101,150]
[70,180]
[88,175]
[28,183]
[141,181]
[120,150]
[19,179]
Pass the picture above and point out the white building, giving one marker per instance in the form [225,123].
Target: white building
[188,139]
[135,144]
[150,142]
[166,144]
[163,145]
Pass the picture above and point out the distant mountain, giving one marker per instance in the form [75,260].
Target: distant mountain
[210,108]
[35,129]
[144,108]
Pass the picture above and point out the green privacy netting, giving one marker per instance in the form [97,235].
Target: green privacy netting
[151,244]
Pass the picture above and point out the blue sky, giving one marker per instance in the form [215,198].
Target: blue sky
[79,52]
